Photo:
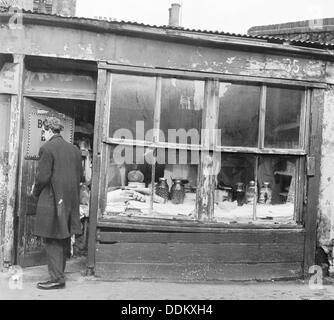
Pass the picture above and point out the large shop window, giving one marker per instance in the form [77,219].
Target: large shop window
[257,148]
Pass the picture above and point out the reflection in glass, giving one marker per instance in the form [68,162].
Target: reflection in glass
[276,178]
[132,106]
[282,125]
[235,192]
[239,114]
[181,108]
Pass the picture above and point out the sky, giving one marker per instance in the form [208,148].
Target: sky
[235,16]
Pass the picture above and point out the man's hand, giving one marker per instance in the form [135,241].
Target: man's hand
[31,192]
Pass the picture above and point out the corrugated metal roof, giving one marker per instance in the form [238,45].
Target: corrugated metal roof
[270,39]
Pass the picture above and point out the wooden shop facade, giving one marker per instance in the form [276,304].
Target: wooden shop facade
[202,150]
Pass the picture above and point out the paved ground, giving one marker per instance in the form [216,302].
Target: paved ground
[82,288]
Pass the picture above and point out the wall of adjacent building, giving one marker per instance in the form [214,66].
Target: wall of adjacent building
[321,30]
[326,200]
[64,7]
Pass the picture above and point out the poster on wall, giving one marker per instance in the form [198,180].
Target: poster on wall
[35,136]
[9,78]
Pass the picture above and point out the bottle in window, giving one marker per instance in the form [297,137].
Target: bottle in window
[250,192]
[177,191]
[265,194]
[240,191]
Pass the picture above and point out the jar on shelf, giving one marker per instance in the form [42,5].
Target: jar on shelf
[240,192]
[250,192]
[162,189]
[177,192]
[265,194]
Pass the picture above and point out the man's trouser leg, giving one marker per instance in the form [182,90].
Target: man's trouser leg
[56,250]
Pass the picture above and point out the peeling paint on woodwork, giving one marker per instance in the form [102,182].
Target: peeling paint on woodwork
[121,49]
[39,81]
[3,199]
[230,60]
[315,69]
[326,201]
[330,72]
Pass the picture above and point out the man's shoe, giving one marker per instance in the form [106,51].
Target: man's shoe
[44,282]
[49,285]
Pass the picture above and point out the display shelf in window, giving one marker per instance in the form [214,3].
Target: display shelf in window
[127,182]
[255,187]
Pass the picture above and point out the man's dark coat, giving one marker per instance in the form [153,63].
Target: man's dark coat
[57,184]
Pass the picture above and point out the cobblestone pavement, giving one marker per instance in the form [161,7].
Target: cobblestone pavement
[79,287]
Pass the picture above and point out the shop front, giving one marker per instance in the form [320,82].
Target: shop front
[205,148]
[230,161]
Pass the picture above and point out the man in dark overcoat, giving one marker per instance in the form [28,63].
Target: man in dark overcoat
[57,187]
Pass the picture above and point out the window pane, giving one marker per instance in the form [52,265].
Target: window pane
[239,114]
[181,108]
[271,189]
[235,190]
[132,106]
[276,179]
[283,118]
[175,183]
[128,178]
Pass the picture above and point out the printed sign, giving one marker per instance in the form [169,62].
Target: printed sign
[36,133]
[9,78]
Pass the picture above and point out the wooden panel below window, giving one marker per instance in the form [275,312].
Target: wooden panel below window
[229,236]
[235,255]
[198,272]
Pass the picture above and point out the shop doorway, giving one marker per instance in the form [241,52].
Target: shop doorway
[78,119]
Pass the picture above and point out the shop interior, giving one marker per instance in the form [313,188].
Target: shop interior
[82,114]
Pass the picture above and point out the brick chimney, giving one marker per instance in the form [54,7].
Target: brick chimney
[174,15]
[65,8]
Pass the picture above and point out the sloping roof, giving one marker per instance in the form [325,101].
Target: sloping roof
[97,22]
[316,25]
[317,30]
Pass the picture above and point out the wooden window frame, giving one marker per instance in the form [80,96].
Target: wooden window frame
[210,78]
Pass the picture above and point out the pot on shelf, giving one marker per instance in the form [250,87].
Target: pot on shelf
[177,191]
